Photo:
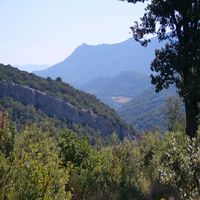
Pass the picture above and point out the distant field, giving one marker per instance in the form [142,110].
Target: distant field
[121,99]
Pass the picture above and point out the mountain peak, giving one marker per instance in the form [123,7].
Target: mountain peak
[89,62]
[83,45]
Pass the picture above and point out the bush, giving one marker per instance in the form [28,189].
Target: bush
[180,166]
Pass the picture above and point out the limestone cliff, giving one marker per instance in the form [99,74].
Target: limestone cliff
[54,107]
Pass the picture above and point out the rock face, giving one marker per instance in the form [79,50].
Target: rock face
[55,107]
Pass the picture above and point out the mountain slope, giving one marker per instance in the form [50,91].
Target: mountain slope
[146,110]
[118,75]
[55,97]
[88,62]
[125,85]
[133,97]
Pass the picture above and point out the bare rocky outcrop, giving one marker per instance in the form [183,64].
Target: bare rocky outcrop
[54,107]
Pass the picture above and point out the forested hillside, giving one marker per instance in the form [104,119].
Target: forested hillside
[134,99]
[146,111]
[61,143]
[80,101]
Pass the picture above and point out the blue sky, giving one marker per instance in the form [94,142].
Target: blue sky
[47,31]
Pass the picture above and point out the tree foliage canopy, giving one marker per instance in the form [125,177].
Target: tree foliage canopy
[178,62]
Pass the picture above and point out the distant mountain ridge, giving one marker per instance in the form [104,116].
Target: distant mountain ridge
[127,84]
[89,62]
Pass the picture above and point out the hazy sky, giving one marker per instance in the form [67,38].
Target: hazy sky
[47,31]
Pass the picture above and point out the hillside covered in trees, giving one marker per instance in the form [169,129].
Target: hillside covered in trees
[58,143]
[84,112]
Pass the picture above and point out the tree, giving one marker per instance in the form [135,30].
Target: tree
[174,114]
[6,148]
[178,62]
[35,171]
[180,164]
[7,133]
[73,149]
[58,79]
[49,78]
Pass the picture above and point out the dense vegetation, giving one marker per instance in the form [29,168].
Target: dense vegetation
[36,164]
[60,90]
[48,161]
[146,110]
[25,114]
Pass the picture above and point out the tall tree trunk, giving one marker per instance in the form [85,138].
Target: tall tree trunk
[192,112]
